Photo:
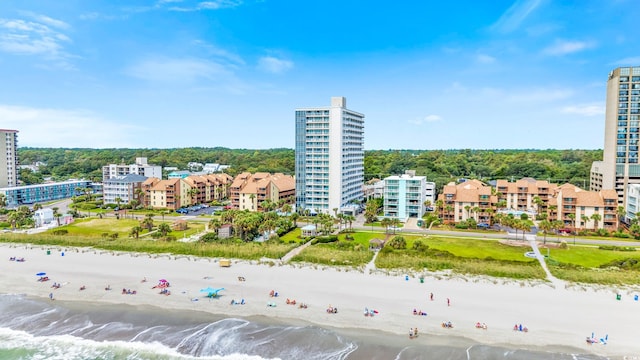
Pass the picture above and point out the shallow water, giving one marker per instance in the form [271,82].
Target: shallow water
[41,329]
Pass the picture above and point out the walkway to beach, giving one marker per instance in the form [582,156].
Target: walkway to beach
[534,245]
[294,252]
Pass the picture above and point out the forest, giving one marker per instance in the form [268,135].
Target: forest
[440,166]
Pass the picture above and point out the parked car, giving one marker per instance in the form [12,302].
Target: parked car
[483,226]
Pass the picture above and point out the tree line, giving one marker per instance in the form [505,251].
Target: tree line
[440,166]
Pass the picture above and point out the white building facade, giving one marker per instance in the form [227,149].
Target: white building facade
[329,157]
[633,201]
[404,196]
[141,167]
[124,188]
[8,158]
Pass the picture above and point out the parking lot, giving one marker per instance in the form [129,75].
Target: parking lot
[199,210]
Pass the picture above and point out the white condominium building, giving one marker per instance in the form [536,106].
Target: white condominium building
[329,158]
[404,196]
[141,167]
[8,158]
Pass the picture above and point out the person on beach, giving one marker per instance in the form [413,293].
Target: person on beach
[411,333]
[50,296]
[431,296]
[448,302]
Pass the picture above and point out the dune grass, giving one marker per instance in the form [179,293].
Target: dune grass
[231,249]
[331,254]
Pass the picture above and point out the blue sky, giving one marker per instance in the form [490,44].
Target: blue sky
[426,74]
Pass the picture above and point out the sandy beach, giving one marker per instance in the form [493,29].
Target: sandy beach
[555,317]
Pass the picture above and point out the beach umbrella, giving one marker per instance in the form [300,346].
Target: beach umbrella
[208,290]
[162,280]
[41,274]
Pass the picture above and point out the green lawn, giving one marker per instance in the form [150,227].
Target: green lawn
[331,254]
[588,264]
[94,227]
[589,256]
[293,235]
[478,249]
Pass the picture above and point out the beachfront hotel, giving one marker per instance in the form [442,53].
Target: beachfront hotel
[329,158]
[9,158]
[619,166]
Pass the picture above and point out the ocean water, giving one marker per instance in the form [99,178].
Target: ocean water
[41,329]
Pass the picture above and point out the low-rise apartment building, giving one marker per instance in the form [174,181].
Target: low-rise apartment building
[31,194]
[123,189]
[254,189]
[521,195]
[583,209]
[175,193]
[166,194]
[469,199]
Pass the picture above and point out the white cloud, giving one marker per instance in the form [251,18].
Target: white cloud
[515,15]
[66,128]
[563,47]
[201,5]
[584,109]
[23,37]
[219,53]
[629,61]
[177,70]
[274,65]
[485,59]
[427,119]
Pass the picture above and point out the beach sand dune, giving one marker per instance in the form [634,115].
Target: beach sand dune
[555,317]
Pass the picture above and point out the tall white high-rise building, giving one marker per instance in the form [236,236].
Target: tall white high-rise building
[329,158]
[8,158]
[619,166]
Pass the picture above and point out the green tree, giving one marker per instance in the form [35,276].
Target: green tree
[545,226]
[596,217]
[147,222]
[398,242]
[135,232]
[164,229]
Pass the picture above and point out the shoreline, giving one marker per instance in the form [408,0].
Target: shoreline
[556,318]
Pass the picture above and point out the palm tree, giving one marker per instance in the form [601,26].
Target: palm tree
[192,193]
[467,208]
[545,226]
[214,224]
[135,231]
[148,221]
[286,208]
[572,217]
[538,202]
[350,219]
[584,219]
[621,212]
[3,201]
[596,217]
[294,217]
[385,223]
[448,209]
[557,225]
[252,197]
[476,211]
[164,229]
[141,194]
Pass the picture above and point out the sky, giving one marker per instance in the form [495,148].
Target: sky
[500,74]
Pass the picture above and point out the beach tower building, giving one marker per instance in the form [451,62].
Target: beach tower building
[619,166]
[404,196]
[329,158]
[9,158]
